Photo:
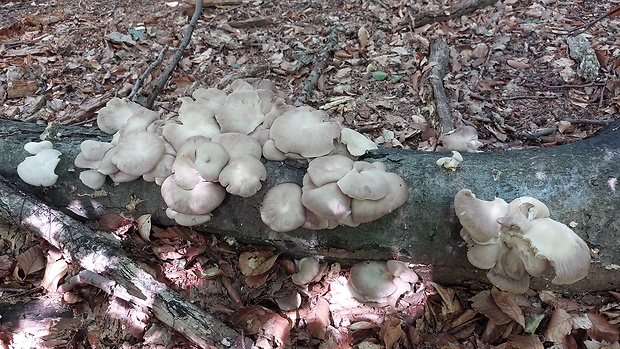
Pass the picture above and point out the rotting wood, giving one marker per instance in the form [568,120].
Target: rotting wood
[462,8]
[432,90]
[577,181]
[99,254]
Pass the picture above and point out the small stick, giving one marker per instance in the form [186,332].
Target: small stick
[148,70]
[590,122]
[319,66]
[433,89]
[585,26]
[159,86]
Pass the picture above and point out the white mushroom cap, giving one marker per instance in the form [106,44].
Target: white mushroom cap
[186,219]
[463,139]
[566,251]
[402,271]
[330,168]
[364,182]
[530,207]
[38,170]
[201,200]
[138,121]
[373,280]
[242,112]
[357,143]
[484,256]
[35,147]
[115,113]
[237,144]
[364,211]
[281,209]
[309,268]
[94,150]
[479,217]
[177,134]
[210,160]
[327,201]
[92,179]
[303,131]
[243,175]
[519,282]
[270,152]
[210,98]
[138,153]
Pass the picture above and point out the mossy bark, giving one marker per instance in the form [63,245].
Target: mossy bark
[577,182]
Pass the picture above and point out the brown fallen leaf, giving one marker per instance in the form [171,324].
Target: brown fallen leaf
[484,304]
[560,325]
[601,329]
[28,262]
[55,270]
[318,318]
[517,64]
[507,304]
[393,335]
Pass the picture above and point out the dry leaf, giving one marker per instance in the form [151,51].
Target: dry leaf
[525,342]
[601,330]
[517,64]
[560,325]
[508,305]
[256,262]
[450,304]
[393,335]
[579,98]
[484,303]
[144,226]
[318,318]
[29,262]
[55,270]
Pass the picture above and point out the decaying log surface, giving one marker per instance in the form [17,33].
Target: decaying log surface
[103,255]
[577,181]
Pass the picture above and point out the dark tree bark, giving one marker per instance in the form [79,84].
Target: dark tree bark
[576,181]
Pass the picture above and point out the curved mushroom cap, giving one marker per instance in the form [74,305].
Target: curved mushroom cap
[364,211]
[35,147]
[519,282]
[115,113]
[243,175]
[210,98]
[357,144]
[530,207]
[309,268]
[187,219]
[201,200]
[92,179]
[303,131]
[568,253]
[38,170]
[210,160]
[479,217]
[138,153]
[270,152]
[281,209]
[402,271]
[138,121]
[373,280]
[327,201]
[330,168]
[242,112]
[463,139]
[364,182]
[237,144]
[94,150]
[538,267]
[484,256]
[196,113]
[162,169]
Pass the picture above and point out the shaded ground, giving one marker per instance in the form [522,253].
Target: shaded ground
[510,75]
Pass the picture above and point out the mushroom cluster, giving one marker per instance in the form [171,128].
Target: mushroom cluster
[38,170]
[382,282]
[336,191]
[215,146]
[463,139]
[518,240]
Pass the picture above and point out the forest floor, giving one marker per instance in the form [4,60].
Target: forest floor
[510,75]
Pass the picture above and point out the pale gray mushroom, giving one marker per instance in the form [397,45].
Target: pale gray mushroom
[357,144]
[281,209]
[327,169]
[242,112]
[242,175]
[115,113]
[462,139]
[304,131]
[364,182]
[38,170]
[138,153]
[308,269]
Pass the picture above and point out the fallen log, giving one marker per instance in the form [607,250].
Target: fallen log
[577,181]
[100,254]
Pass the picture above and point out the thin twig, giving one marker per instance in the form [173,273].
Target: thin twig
[159,86]
[319,66]
[148,70]
[510,98]
[589,122]
[462,8]
[587,25]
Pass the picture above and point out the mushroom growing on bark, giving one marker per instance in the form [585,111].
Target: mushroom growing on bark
[382,282]
[518,240]
[38,170]
[281,209]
